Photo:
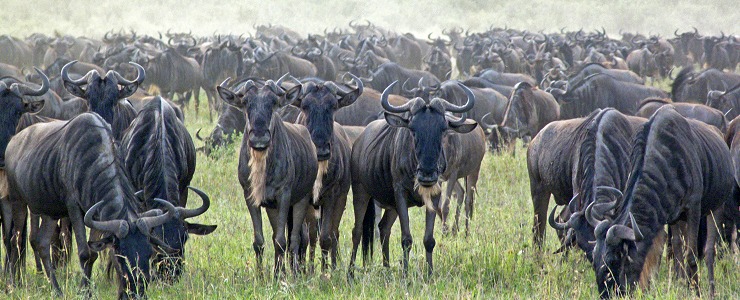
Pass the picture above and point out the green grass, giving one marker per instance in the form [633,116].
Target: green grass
[497,260]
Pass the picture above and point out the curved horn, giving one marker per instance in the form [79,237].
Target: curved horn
[145,224]
[467,106]
[197,134]
[189,213]
[140,75]
[119,228]
[617,233]
[612,190]
[554,223]
[389,107]
[485,123]
[25,90]
[281,79]
[635,228]
[676,33]
[65,74]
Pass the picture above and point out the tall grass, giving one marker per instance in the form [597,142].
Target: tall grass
[496,261]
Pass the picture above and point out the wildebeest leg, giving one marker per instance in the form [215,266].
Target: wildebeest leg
[255,213]
[196,95]
[61,243]
[406,239]
[460,198]
[360,200]
[677,245]
[35,223]
[339,207]
[273,216]
[709,249]
[17,251]
[7,217]
[326,240]
[299,214]
[313,232]
[385,225]
[87,257]
[429,241]
[470,183]
[540,201]
[41,243]
[445,203]
[692,236]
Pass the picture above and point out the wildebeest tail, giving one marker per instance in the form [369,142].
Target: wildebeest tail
[368,231]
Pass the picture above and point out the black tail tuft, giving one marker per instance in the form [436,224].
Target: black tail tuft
[368,231]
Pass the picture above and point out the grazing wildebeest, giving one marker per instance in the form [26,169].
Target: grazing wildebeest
[694,111]
[553,168]
[601,91]
[104,97]
[528,111]
[727,101]
[277,166]
[64,168]
[318,104]
[398,162]
[159,157]
[601,145]
[681,175]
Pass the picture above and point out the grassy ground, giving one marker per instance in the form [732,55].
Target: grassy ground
[496,261]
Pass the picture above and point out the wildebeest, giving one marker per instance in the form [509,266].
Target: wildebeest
[680,175]
[694,111]
[527,112]
[173,74]
[510,79]
[601,91]
[219,62]
[275,64]
[386,73]
[621,75]
[691,86]
[601,146]
[277,165]
[159,157]
[15,52]
[54,106]
[554,166]
[727,101]
[398,162]
[318,104]
[104,96]
[64,168]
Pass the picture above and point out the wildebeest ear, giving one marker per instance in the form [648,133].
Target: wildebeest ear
[200,229]
[349,98]
[292,95]
[33,107]
[101,244]
[465,127]
[128,90]
[74,89]
[229,97]
[395,120]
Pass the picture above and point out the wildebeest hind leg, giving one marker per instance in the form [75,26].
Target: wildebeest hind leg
[35,223]
[709,249]
[386,223]
[360,200]
[42,246]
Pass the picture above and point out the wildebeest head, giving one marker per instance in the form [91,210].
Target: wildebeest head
[175,232]
[319,102]
[13,104]
[132,242]
[615,250]
[260,105]
[518,111]
[725,101]
[102,93]
[428,124]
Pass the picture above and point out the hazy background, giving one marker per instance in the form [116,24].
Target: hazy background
[83,17]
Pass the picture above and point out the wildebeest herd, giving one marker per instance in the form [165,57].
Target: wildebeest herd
[376,112]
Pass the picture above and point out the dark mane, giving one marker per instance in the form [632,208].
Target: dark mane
[586,135]
[647,101]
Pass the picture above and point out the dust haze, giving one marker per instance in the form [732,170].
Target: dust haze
[94,18]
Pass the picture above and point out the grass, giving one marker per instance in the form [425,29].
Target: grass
[496,261]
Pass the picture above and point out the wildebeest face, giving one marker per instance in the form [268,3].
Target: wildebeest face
[133,253]
[518,111]
[614,259]
[428,125]
[12,106]
[259,104]
[318,104]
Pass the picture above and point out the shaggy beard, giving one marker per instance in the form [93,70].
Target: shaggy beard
[318,184]
[427,192]
[257,175]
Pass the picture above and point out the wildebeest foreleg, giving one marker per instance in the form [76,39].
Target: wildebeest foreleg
[386,223]
[313,236]
[470,183]
[299,214]
[429,241]
[35,223]
[327,234]
[339,207]
[540,201]
[403,216]
[41,243]
[709,248]
[86,256]
[255,213]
